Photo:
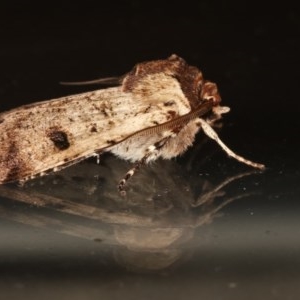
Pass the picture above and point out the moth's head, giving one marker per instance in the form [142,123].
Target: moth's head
[209,92]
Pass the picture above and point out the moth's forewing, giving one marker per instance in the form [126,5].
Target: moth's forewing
[51,134]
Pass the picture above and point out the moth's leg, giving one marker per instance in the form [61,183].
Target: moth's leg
[151,152]
[213,135]
[130,173]
[97,155]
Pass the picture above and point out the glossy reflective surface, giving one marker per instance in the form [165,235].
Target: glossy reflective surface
[199,226]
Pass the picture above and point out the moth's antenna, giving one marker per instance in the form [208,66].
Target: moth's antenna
[104,81]
[180,121]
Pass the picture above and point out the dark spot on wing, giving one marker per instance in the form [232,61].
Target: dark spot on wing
[169,103]
[111,142]
[94,128]
[103,111]
[147,109]
[171,114]
[60,139]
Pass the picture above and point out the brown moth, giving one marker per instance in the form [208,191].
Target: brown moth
[154,111]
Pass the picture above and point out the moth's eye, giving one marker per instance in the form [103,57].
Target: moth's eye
[213,99]
[216,99]
[210,93]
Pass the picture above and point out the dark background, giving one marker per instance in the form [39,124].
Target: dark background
[250,49]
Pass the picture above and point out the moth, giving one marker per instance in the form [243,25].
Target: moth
[153,111]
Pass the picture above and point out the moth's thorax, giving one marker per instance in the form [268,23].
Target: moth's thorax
[173,76]
[162,91]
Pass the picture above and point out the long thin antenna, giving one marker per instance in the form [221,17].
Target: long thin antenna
[105,81]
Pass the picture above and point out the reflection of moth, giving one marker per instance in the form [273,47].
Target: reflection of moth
[150,231]
[153,112]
